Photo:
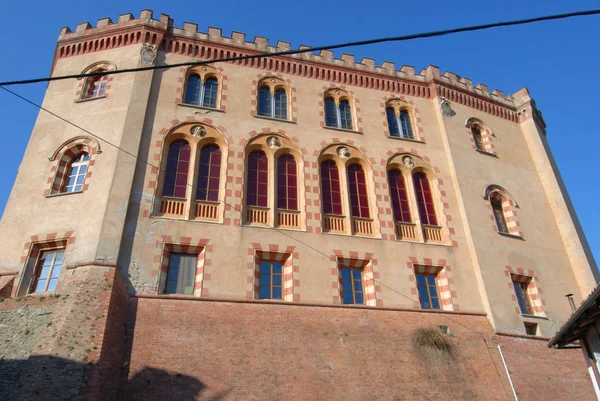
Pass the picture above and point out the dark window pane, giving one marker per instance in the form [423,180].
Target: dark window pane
[277,268]
[359,298]
[176,173]
[358,193]
[264,293]
[265,267]
[277,293]
[496,201]
[392,120]
[345,273]
[435,303]
[424,199]
[193,88]
[280,104]
[331,113]
[209,173]
[348,298]
[330,188]
[399,196]
[265,100]
[277,280]
[286,183]
[407,131]
[345,115]
[257,179]
[477,138]
[211,89]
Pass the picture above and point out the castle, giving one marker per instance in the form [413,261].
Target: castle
[282,227]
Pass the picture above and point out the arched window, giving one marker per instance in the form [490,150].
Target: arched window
[498,210]
[330,188]
[95,86]
[287,185]
[399,196]
[424,199]
[202,90]
[77,170]
[477,137]
[359,201]
[273,98]
[258,167]
[399,121]
[338,110]
[176,174]
[209,174]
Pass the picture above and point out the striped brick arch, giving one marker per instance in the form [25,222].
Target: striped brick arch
[105,65]
[179,98]
[185,245]
[32,249]
[291,93]
[417,121]
[519,275]
[445,284]
[509,209]
[321,94]
[273,253]
[486,134]
[356,260]
[62,158]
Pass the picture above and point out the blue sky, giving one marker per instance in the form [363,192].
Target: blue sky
[555,60]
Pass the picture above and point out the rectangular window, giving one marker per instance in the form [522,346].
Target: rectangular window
[181,274]
[48,270]
[523,297]
[352,286]
[271,280]
[428,291]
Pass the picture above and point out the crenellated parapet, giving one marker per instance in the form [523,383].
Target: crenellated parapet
[188,41]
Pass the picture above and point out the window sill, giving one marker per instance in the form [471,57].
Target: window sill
[484,152]
[527,316]
[63,194]
[195,106]
[89,99]
[281,120]
[343,130]
[399,138]
[515,236]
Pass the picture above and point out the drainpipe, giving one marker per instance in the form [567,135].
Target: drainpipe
[508,373]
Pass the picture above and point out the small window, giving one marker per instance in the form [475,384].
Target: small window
[271,280]
[181,275]
[77,171]
[345,113]
[95,86]
[399,123]
[477,138]
[48,270]
[531,328]
[523,297]
[428,291]
[202,92]
[352,286]
[497,208]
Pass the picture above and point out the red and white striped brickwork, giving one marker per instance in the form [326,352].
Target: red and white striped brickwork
[354,260]
[291,93]
[417,122]
[519,275]
[445,284]
[273,253]
[509,211]
[62,159]
[356,101]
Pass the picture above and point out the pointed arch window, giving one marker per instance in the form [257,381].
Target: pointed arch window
[287,185]
[176,174]
[202,92]
[424,199]
[258,167]
[399,196]
[209,174]
[359,201]
[330,188]
[77,171]
[95,86]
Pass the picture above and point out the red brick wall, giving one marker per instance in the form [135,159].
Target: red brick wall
[540,373]
[186,349]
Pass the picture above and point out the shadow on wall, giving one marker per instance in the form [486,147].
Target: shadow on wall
[51,378]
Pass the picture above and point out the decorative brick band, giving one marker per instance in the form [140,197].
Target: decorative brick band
[519,275]
[273,253]
[354,260]
[445,284]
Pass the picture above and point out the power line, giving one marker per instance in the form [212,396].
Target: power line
[318,48]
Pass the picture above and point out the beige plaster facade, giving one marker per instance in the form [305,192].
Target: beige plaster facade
[118,218]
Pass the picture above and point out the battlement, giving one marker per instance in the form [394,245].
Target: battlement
[166,31]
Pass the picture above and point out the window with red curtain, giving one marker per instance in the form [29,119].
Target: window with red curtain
[287,183]
[209,174]
[424,199]
[330,188]
[176,174]
[357,184]
[399,196]
[258,168]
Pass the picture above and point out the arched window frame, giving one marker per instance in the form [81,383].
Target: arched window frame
[204,74]
[273,85]
[501,201]
[417,230]
[335,117]
[344,156]
[481,136]
[274,146]
[198,136]
[62,160]
[97,86]
[404,130]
